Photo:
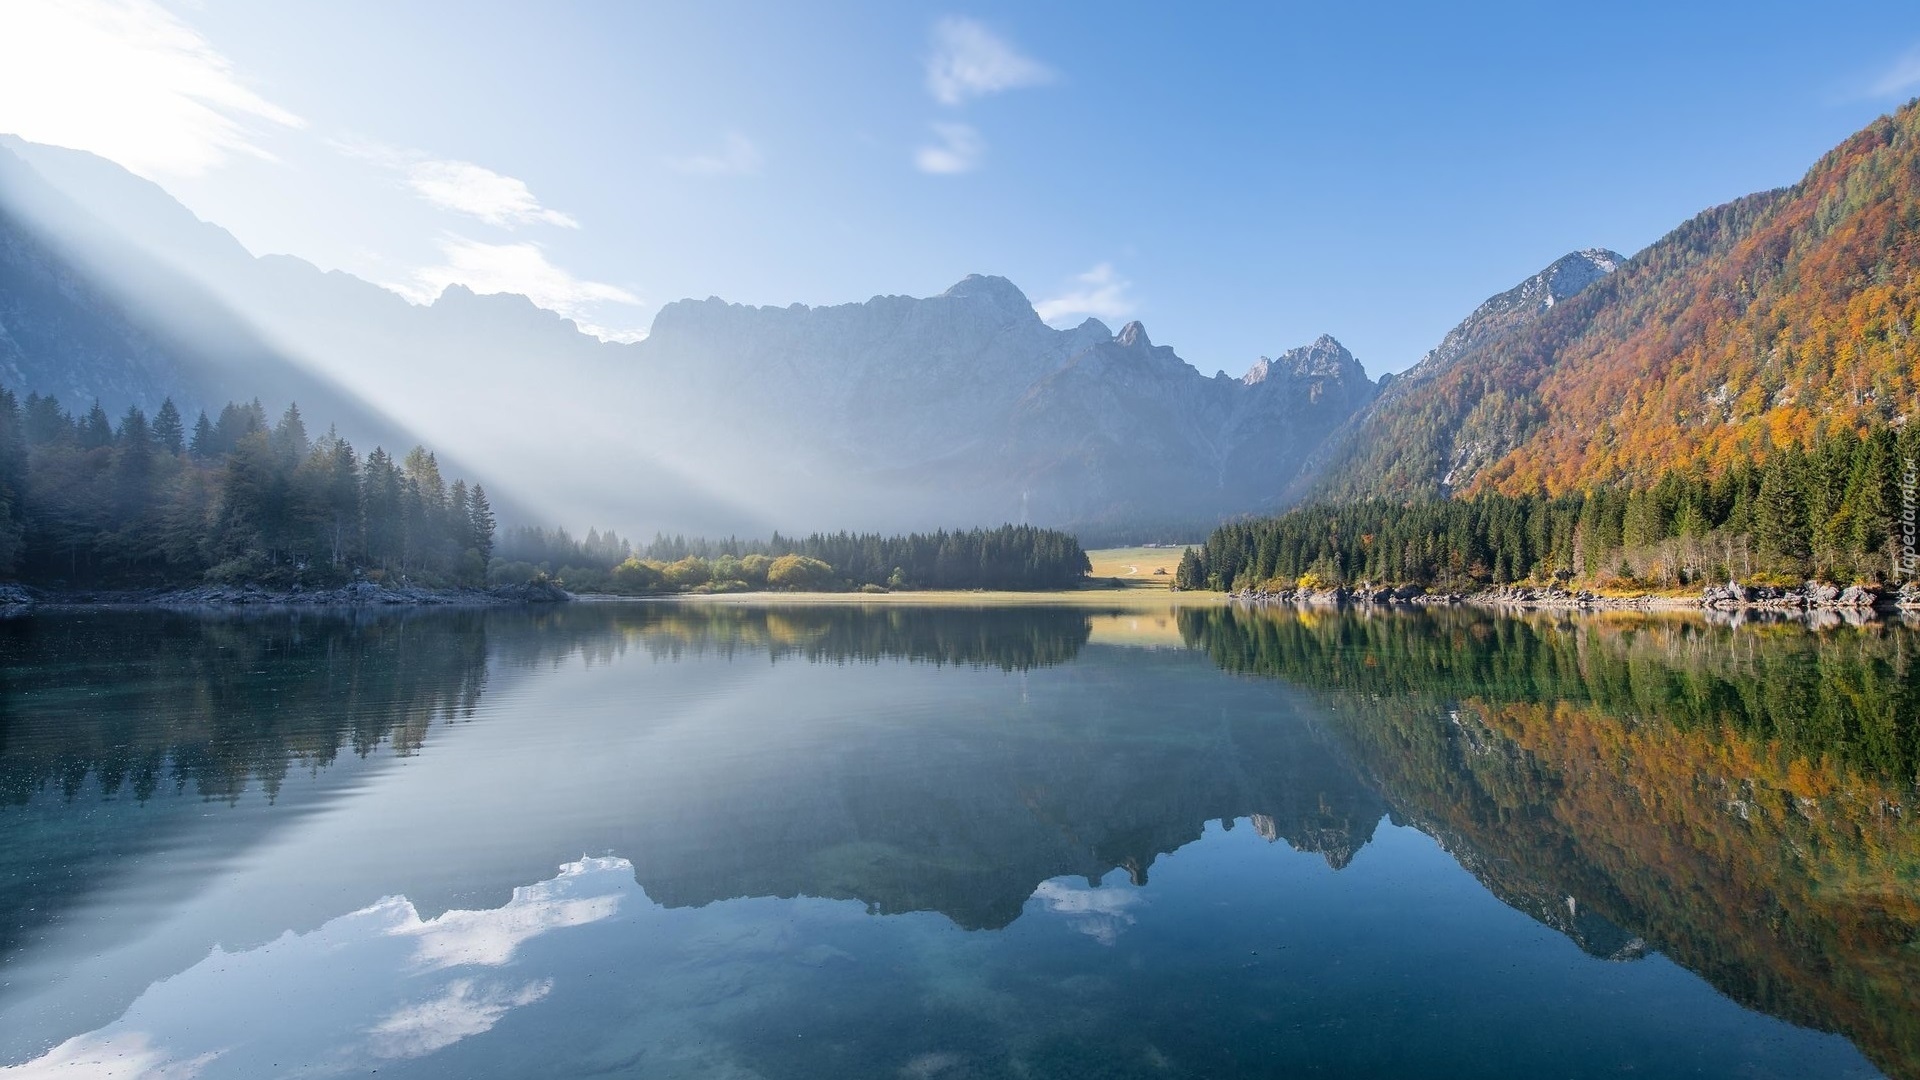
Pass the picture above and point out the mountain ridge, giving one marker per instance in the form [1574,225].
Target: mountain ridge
[1770,321]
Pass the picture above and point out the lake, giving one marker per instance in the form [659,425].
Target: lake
[670,840]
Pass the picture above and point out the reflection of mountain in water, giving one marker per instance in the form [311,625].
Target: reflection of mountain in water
[1105,764]
[1631,782]
[1737,799]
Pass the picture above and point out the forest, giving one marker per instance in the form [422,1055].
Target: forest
[1013,557]
[1832,511]
[150,501]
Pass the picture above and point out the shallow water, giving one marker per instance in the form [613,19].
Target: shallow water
[654,840]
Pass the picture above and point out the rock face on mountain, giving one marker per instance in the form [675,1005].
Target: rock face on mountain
[1126,428]
[1363,459]
[966,404]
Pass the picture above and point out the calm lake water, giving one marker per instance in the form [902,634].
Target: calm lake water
[668,841]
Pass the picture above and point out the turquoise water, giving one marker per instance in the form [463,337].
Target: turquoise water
[638,840]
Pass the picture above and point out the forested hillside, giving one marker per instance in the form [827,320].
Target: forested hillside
[1777,319]
[1834,512]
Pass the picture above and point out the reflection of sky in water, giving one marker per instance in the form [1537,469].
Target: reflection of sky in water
[990,808]
[380,986]
[377,984]
[1239,946]
[1101,912]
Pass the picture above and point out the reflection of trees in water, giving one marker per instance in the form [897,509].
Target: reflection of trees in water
[1011,639]
[112,703]
[1740,798]
[143,701]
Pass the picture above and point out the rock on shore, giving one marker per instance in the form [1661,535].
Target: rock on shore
[1812,596]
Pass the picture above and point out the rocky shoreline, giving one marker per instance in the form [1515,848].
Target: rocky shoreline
[1813,596]
[19,599]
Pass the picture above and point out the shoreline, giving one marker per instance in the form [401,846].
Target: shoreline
[1812,598]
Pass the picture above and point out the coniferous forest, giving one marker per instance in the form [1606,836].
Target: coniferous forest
[89,500]
[1834,511]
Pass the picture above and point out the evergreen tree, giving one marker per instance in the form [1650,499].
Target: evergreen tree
[205,443]
[480,523]
[168,431]
[96,431]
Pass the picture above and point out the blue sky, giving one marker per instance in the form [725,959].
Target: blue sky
[1242,179]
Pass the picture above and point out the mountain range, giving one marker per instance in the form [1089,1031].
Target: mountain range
[1762,321]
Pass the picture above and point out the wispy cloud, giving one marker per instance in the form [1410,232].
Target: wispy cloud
[1099,293]
[466,188]
[970,61]
[958,150]
[521,268]
[129,81]
[737,156]
[1903,77]
[459,186]
[465,1008]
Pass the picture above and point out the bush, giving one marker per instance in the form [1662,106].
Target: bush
[634,577]
[753,570]
[798,572]
[689,572]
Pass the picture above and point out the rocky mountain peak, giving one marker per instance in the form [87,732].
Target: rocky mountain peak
[1573,272]
[1133,334]
[1325,357]
[991,288]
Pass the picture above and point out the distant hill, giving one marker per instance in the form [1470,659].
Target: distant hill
[1766,321]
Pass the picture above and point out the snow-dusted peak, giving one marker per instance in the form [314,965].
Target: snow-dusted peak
[1132,334]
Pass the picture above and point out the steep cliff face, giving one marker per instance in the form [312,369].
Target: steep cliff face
[1127,428]
[969,400]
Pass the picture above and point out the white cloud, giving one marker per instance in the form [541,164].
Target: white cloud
[1101,913]
[1100,293]
[127,80]
[521,268]
[959,150]
[970,61]
[490,936]
[466,188]
[737,157]
[464,1009]
[1903,77]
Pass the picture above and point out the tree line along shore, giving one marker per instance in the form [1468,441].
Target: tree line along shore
[1828,524]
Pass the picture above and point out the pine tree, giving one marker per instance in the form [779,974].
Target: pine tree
[205,442]
[168,431]
[96,431]
[480,522]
